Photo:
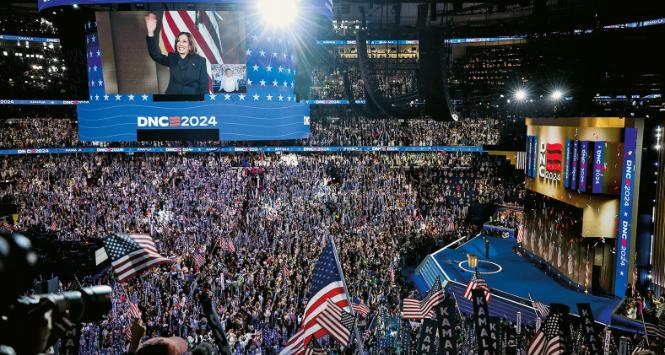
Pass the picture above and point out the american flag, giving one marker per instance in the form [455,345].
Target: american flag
[127,331]
[327,284]
[132,254]
[549,340]
[134,311]
[474,283]
[204,27]
[414,309]
[542,309]
[198,259]
[313,348]
[520,233]
[360,307]
[656,328]
[337,322]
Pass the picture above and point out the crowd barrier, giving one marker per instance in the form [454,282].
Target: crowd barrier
[294,149]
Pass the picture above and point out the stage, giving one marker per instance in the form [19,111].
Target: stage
[510,273]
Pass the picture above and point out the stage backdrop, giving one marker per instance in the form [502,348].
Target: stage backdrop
[589,163]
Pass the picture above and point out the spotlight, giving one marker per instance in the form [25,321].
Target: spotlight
[556,95]
[520,95]
[278,13]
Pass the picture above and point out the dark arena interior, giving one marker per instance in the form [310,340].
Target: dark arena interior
[332,177]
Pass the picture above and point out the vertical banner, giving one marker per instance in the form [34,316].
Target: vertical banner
[445,315]
[496,333]
[534,161]
[584,161]
[608,342]
[625,212]
[71,340]
[588,329]
[518,323]
[573,172]
[427,339]
[482,323]
[529,156]
[598,167]
[566,169]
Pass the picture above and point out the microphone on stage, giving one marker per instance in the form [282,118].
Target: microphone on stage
[215,324]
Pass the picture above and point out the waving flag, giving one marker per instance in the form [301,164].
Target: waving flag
[542,309]
[132,254]
[549,340]
[477,283]
[414,309]
[360,307]
[134,311]
[337,322]
[327,284]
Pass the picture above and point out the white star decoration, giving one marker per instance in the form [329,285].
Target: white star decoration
[285,83]
[269,68]
[280,97]
[249,51]
[256,97]
[212,97]
[280,69]
[118,97]
[100,83]
[106,97]
[144,97]
[96,97]
[269,97]
[131,97]
[241,97]
[262,53]
[255,67]
[274,54]
[274,83]
[227,97]
[262,82]
[249,81]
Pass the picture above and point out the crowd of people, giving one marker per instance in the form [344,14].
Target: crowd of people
[247,229]
[324,131]
[415,132]
[393,81]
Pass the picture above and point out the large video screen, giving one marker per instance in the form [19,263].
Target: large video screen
[173,52]
[174,74]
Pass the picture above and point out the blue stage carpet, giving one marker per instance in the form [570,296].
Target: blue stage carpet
[519,277]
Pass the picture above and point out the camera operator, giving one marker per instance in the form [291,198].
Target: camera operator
[31,324]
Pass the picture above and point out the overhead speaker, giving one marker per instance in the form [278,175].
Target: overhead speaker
[433,73]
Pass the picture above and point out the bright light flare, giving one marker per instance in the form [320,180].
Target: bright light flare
[520,95]
[556,95]
[279,13]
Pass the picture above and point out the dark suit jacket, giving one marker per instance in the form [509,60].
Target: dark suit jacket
[188,76]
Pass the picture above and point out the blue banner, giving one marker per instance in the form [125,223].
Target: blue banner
[528,156]
[566,169]
[534,161]
[311,7]
[573,173]
[118,118]
[305,149]
[334,102]
[625,212]
[598,167]
[41,102]
[584,157]
[28,38]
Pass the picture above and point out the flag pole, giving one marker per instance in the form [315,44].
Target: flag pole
[346,290]
[646,334]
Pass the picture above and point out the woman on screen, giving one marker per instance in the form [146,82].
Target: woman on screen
[188,70]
